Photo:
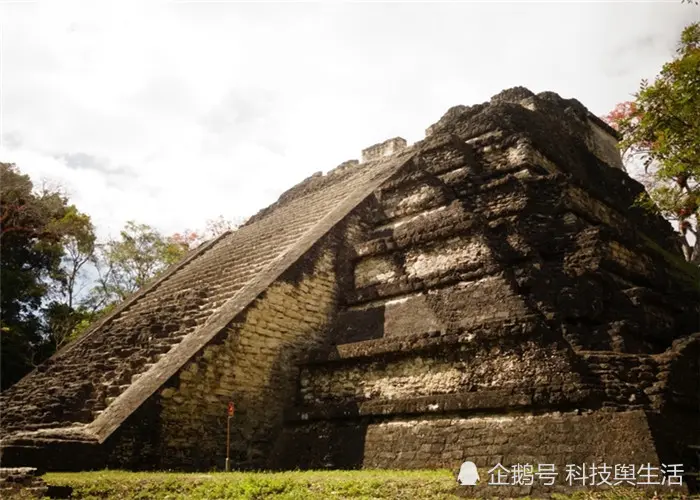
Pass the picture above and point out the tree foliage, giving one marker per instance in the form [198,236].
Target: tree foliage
[127,263]
[140,253]
[36,227]
[65,310]
[662,127]
[57,279]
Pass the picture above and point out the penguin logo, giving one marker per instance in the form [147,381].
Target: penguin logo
[468,475]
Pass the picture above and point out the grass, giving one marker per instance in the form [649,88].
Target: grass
[321,485]
[249,485]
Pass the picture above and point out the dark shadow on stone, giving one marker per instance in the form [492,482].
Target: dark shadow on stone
[335,444]
[359,325]
[135,444]
[676,429]
[59,456]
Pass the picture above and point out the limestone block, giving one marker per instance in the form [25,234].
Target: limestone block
[452,254]
[604,145]
[374,270]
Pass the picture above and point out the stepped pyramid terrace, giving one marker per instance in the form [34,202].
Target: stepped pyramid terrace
[488,293]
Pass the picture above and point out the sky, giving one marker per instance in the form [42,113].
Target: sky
[171,113]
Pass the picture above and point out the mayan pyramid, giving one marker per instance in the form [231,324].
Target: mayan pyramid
[489,293]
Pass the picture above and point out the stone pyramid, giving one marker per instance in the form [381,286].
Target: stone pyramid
[489,293]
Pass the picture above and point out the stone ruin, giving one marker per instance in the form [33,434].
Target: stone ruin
[489,293]
[22,482]
[386,148]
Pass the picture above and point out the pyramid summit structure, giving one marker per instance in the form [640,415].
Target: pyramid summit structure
[489,293]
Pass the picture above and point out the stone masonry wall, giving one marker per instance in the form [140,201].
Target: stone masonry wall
[433,310]
[253,367]
[504,280]
[494,227]
[470,367]
[254,363]
[385,148]
[604,145]
[446,441]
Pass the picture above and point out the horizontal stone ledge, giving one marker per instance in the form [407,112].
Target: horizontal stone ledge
[18,471]
[478,402]
[522,176]
[452,225]
[406,285]
[467,272]
[479,174]
[641,277]
[42,436]
[468,185]
[381,302]
[497,331]
[435,225]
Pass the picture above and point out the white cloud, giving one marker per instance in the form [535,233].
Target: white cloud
[208,109]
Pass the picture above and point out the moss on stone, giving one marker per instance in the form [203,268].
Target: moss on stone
[686,273]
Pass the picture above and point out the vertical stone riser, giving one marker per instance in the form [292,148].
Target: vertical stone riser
[456,370]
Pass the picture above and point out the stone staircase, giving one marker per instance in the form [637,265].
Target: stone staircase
[22,482]
[79,383]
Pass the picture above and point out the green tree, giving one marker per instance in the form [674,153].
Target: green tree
[35,225]
[67,308]
[49,256]
[129,262]
[124,265]
[662,127]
